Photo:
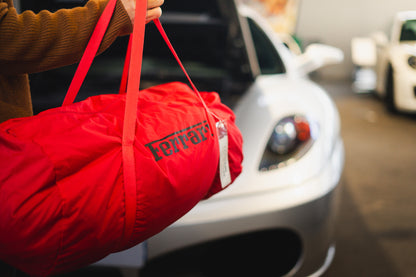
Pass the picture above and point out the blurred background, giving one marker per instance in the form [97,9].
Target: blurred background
[337,22]
[331,22]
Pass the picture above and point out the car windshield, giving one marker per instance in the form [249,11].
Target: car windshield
[408,30]
[268,58]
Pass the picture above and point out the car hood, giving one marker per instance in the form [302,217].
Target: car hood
[210,13]
[404,48]
[411,45]
[207,11]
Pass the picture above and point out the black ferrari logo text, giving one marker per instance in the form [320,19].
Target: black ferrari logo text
[179,141]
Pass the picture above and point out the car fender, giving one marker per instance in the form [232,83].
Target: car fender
[269,100]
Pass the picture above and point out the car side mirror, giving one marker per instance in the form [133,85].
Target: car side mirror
[319,55]
[380,38]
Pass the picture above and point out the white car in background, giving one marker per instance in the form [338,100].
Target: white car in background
[393,62]
[278,218]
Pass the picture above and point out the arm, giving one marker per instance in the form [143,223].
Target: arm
[37,42]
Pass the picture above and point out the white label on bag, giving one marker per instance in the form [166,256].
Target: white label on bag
[225,175]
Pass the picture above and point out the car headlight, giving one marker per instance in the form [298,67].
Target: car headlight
[291,138]
[412,61]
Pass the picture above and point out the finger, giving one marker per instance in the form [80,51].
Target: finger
[154,4]
[153,14]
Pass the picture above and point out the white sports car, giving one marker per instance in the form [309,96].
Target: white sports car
[394,62]
[278,218]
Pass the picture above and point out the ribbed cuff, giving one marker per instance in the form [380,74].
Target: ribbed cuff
[122,17]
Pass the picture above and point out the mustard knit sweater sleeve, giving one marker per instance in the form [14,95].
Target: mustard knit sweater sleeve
[32,42]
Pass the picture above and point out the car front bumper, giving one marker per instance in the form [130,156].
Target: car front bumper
[313,224]
[310,216]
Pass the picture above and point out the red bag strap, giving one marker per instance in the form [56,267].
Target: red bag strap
[133,83]
[175,55]
[167,41]
[90,52]
[130,117]
[125,75]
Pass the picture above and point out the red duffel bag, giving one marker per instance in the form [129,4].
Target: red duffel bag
[95,177]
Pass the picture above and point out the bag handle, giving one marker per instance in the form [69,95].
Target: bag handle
[129,125]
[90,52]
[92,49]
[130,117]
[162,32]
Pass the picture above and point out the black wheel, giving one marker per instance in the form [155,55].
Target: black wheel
[389,99]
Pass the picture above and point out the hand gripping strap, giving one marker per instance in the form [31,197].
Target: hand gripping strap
[129,128]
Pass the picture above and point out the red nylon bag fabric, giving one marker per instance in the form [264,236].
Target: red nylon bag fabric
[65,180]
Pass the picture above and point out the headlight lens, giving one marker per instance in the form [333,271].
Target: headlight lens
[291,138]
[412,61]
[288,133]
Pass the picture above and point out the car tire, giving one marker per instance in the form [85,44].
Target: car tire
[390,93]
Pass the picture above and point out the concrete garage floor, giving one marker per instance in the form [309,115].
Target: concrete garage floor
[376,231]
